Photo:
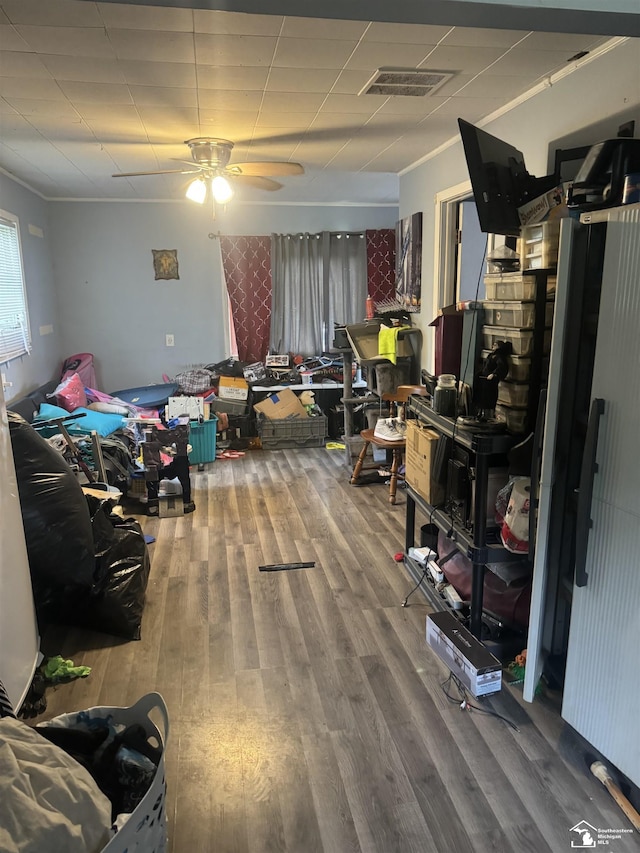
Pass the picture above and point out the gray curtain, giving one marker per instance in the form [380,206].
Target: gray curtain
[317,280]
[346,277]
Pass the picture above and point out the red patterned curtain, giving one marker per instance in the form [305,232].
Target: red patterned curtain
[381,264]
[247,271]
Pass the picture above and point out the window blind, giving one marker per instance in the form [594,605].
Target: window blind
[15,336]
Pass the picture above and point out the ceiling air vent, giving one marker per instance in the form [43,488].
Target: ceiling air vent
[408,82]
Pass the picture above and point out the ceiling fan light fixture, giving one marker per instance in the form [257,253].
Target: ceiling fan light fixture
[197,191]
[221,189]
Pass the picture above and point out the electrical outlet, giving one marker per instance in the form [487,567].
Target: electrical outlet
[169,341]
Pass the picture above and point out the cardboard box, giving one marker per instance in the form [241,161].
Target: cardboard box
[420,452]
[233,388]
[466,657]
[285,404]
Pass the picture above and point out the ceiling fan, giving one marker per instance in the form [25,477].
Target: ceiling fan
[215,175]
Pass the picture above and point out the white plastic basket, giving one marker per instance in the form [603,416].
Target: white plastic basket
[146,829]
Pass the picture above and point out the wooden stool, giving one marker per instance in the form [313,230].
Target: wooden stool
[398,400]
[396,447]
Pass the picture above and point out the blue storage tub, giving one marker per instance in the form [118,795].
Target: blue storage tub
[202,438]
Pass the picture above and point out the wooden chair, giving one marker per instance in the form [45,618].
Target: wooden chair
[398,400]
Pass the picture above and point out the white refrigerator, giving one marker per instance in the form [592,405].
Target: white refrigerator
[19,641]
[585,609]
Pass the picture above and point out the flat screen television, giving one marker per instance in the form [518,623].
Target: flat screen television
[500,181]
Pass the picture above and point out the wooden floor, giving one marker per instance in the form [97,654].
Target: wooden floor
[307,713]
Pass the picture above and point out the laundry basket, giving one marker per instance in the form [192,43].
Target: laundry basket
[146,829]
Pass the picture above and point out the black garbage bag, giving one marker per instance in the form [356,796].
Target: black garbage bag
[56,519]
[116,600]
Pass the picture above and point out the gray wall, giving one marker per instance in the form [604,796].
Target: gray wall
[45,361]
[111,305]
[605,91]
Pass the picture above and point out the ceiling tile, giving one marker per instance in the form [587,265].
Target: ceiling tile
[172,74]
[323,28]
[226,120]
[354,104]
[491,86]
[3,18]
[23,87]
[62,13]
[101,93]
[285,122]
[236,23]
[5,107]
[568,42]
[15,64]
[229,99]
[472,37]
[129,17]
[351,82]
[372,55]
[170,116]
[471,109]
[10,39]
[521,62]
[106,112]
[122,131]
[463,59]
[406,33]
[33,106]
[232,77]
[291,101]
[72,41]
[301,80]
[152,46]
[83,69]
[55,127]
[162,96]
[307,53]
[417,107]
[344,122]
[234,50]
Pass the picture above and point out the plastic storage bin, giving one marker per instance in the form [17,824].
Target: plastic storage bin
[516,285]
[519,314]
[202,438]
[292,432]
[538,245]
[515,419]
[513,393]
[521,339]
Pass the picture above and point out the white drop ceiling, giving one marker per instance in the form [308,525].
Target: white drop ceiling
[88,89]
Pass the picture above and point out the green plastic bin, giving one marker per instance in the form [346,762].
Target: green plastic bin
[202,438]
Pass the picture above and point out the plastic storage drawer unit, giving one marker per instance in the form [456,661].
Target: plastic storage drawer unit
[292,432]
[521,339]
[202,438]
[510,286]
[519,314]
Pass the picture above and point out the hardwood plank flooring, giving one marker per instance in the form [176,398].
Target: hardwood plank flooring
[307,713]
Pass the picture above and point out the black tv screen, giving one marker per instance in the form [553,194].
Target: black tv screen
[499,178]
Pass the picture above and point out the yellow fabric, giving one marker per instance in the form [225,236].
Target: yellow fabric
[388,342]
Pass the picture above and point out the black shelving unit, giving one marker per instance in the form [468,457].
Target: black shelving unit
[476,542]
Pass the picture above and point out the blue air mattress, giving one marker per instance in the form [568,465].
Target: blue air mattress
[148,396]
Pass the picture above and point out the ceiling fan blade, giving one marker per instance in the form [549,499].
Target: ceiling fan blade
[160,172]
[263,168]
[256,181]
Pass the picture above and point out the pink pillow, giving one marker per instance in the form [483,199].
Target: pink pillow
[70,394]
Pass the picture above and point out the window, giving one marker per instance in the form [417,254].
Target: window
[15,336]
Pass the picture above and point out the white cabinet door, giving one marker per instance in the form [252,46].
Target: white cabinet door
[601,684]
[19,640]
